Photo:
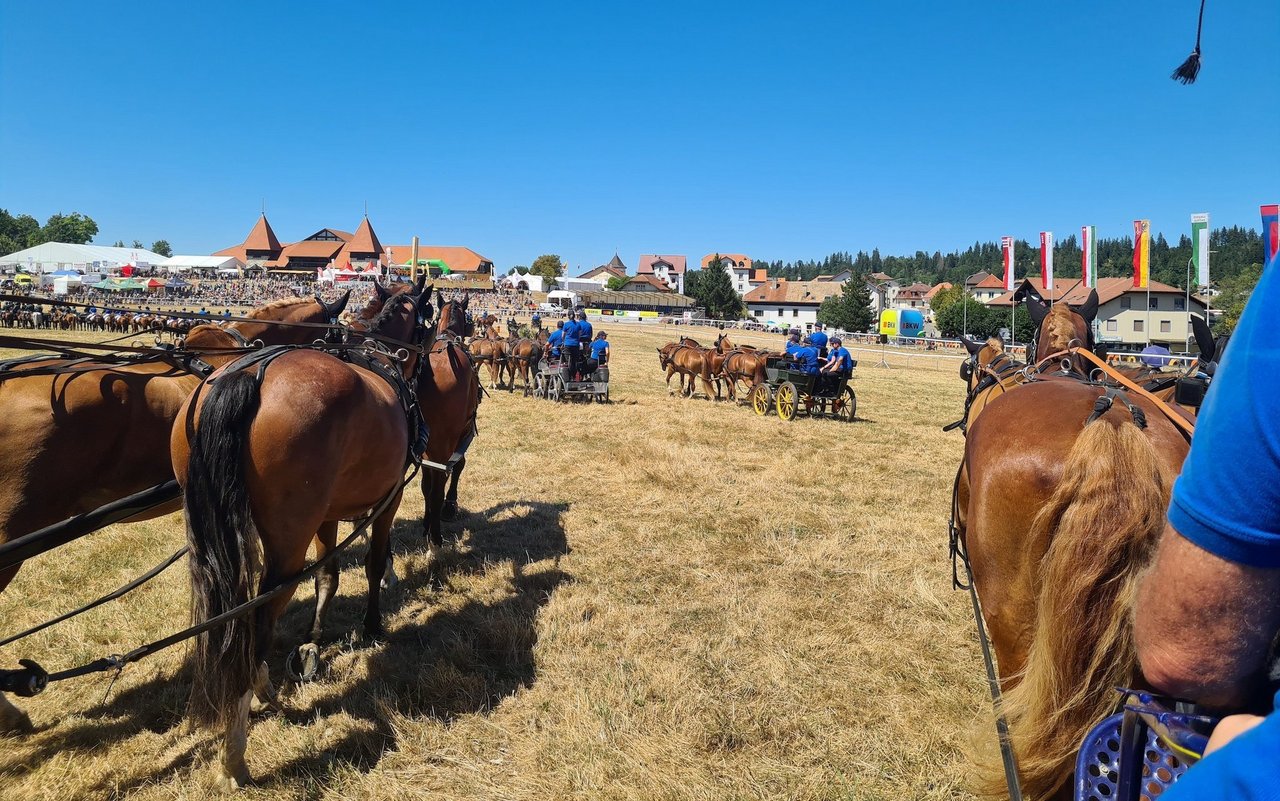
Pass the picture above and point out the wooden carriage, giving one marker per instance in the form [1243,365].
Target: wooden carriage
[554,382]
[790,391]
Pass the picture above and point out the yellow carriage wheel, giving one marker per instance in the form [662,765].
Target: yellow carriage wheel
[761,399]
[787,397]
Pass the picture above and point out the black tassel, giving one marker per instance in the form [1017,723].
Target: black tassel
[1189,70]
[1191,67]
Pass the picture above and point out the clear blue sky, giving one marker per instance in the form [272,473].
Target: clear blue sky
[779,130]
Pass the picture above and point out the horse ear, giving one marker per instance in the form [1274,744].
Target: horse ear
[383,294]
[1037,310]
[335,308]
[1204,338]
[440,301]
[421,285]
[1089,309]
[970,345]
[466,301]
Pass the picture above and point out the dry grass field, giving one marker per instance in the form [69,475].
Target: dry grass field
[656,598]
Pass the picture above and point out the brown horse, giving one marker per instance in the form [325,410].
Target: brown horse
[104,428]
[490,351]
[743,363]
[272,455]
[523,356]
[1060,502]
[687,359]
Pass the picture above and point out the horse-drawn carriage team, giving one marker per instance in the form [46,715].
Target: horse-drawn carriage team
[570,360]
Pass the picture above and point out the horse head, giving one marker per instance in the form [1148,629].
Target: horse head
[1060,328]
[453,318]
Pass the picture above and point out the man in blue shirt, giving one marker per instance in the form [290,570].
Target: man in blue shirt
[536,322]
[819,340]
[840,360]
[572,345]
[806,358]
[585,331]
[556,339]
[599,352]
[1209,607]
[793,344]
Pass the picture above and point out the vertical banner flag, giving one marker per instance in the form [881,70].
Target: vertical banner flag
[1046,260]
[1089,255]
[1006,247]
[1200,247]
[1270,235]
[1141,254]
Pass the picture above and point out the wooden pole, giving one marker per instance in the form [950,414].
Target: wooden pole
[413,261]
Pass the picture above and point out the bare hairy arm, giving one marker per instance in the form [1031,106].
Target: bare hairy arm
[1203,625]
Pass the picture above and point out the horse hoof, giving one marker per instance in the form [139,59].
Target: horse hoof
[233,781]
[303,664]
[389,577]
[449,510]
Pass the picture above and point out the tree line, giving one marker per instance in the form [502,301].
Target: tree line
[21,231]
[1236,251]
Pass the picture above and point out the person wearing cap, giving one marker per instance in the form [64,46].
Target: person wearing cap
[805,357]
[840,361]
[793,343]
[572,345]
[599,352]
[585,331]
[556,340]
[535,322]
[819,340]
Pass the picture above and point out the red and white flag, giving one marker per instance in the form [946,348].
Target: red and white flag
[1089,255]
[1006,247]
[1046,259]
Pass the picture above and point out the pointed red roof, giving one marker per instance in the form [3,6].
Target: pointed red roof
[365,240]
[262,237]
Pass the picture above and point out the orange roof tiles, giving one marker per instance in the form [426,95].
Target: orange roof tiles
[794,292]
[262,237]
[364,240]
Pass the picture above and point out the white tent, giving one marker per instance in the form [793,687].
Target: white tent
[204,264]
[533,283]
[52,256]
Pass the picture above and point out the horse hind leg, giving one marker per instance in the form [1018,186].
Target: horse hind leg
[449,511]
[230,771]
[379,548]
[308,654]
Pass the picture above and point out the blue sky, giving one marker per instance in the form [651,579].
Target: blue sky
[778,130]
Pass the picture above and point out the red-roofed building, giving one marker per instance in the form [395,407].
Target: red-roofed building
[669,269]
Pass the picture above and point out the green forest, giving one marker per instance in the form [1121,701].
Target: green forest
[1235,252]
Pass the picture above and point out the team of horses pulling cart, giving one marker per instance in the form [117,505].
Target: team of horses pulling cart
[269,445]
[790,392]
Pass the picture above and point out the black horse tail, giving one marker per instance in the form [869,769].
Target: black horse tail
[225,550]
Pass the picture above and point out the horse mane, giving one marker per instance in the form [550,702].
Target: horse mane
[1059,329]
[262,311]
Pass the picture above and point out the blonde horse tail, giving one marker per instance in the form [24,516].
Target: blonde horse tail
[1101,524]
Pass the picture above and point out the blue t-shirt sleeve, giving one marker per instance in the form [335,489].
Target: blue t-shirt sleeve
[1227,499]
[1244,770]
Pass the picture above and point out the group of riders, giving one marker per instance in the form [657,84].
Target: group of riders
[573,341]
[817,354]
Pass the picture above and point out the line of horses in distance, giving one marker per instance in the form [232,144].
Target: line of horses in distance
[272,449]
[1059,501]
[61,318]
[723,365]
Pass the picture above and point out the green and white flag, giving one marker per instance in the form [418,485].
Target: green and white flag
[1200,247]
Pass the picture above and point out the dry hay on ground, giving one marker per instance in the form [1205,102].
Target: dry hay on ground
[658,598]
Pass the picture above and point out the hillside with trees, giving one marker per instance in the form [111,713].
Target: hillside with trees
[1237,253]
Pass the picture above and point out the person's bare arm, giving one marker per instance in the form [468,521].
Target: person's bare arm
[1202,624]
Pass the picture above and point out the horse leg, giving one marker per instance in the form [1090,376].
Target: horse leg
[230,771]
[379,547]
[12,719]
[450,509]
[433,501]
[326,587]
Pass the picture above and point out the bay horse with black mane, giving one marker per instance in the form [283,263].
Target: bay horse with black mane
[272,451]
[1059,503]
[103,428]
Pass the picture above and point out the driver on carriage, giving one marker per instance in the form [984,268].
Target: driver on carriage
[805,355]
[839,365]
[554,341]
[819,340]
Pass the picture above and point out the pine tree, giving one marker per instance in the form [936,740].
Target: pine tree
[713,290]
[851,309]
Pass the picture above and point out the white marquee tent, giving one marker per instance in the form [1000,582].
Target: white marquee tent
[52,256]
[204,264]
